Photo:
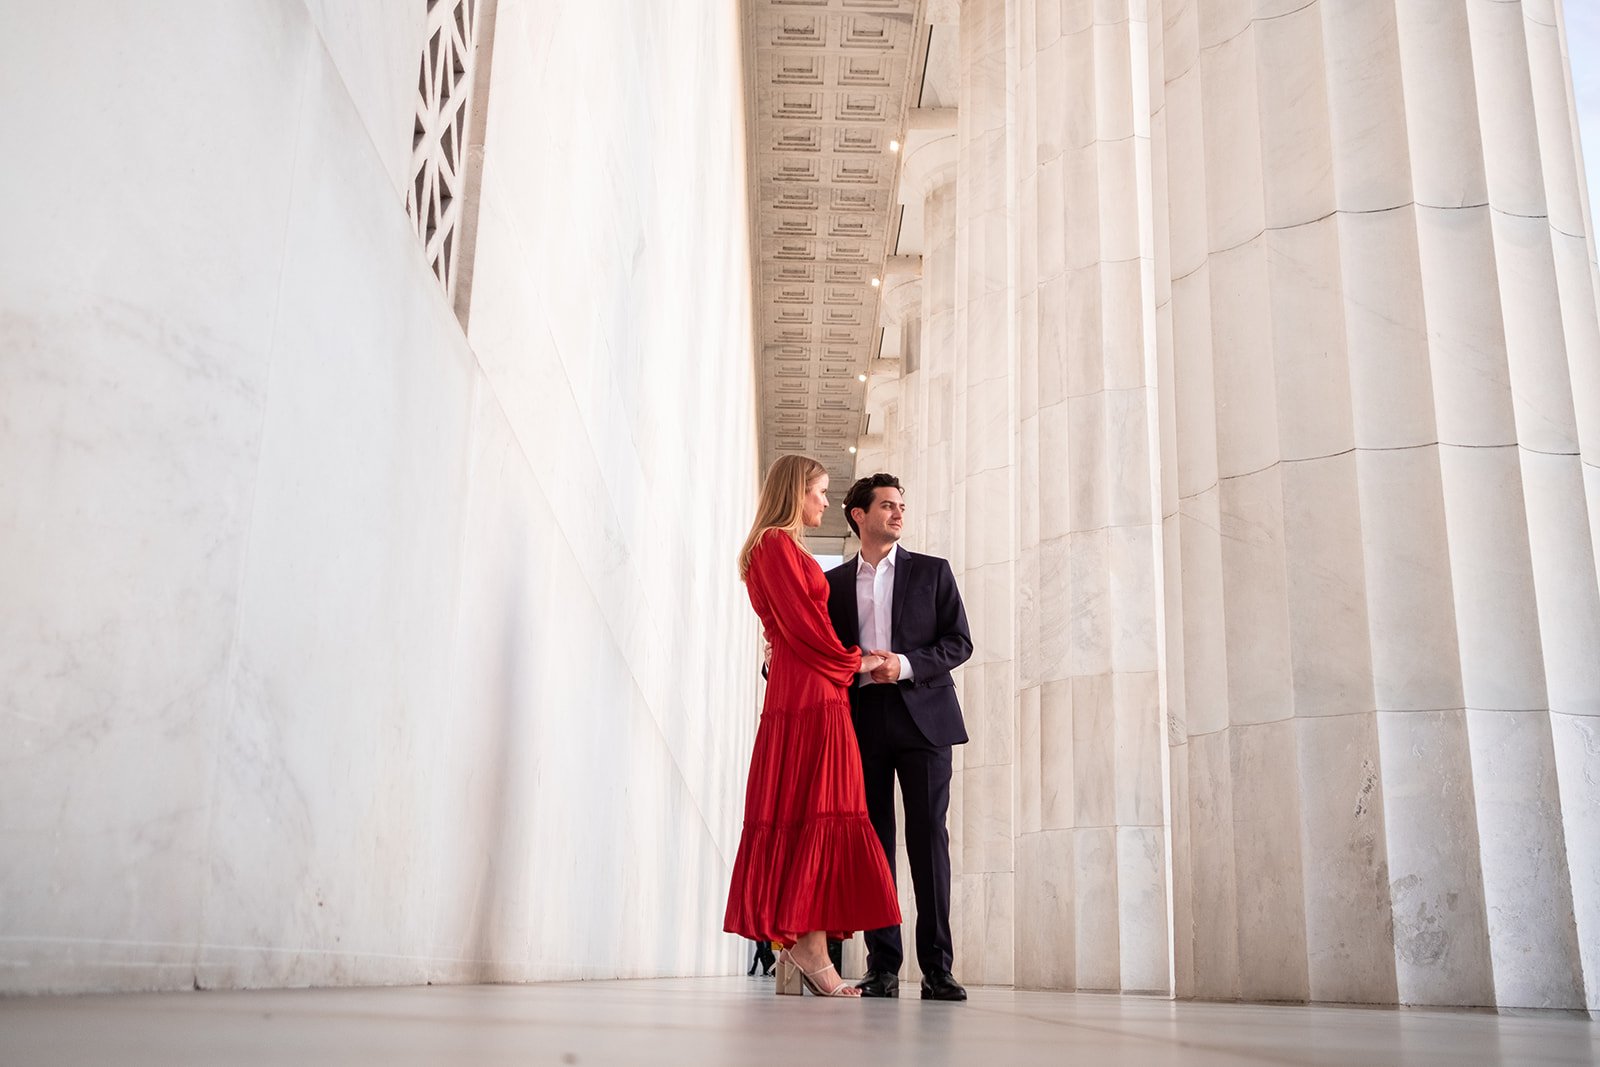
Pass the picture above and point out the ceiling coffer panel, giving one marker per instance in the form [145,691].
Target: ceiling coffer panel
[830,78]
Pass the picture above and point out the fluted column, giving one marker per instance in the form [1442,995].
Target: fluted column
[1575,727]
[926,413]
[985,555]
[884,448]
[928,390]
[1043,858]
[1091,848]
[1383,614]
[1271,420]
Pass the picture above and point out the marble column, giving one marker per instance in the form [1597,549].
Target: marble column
[1377,367]
[985,549]
[926,409]
[1274,430]
[927,398]
[1091,859]
[884,446]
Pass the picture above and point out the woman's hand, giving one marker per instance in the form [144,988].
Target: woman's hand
[871,661]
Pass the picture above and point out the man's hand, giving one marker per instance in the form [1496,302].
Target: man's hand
[890,671]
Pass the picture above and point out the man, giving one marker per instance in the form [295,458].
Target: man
[905,606]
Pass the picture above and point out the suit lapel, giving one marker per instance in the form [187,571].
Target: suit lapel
[902,578]
[849,609]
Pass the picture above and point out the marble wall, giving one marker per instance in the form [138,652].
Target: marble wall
[337,646]
[1276,407]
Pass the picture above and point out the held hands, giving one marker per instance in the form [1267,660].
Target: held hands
[888,668]
[871,663]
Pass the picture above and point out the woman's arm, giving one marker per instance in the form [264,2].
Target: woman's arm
[778,565]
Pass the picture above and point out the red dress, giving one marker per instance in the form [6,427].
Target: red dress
[808,858]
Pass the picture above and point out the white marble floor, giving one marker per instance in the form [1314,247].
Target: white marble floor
[738,1020]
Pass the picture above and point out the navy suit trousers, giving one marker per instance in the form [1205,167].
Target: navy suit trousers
[892,745]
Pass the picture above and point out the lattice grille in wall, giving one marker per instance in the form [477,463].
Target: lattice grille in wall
[436,194]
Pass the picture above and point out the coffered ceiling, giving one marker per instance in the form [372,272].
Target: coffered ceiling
[828,82]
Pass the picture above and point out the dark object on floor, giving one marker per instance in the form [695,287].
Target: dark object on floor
[764,958]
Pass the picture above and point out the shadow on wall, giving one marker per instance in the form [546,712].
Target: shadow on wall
[506,766]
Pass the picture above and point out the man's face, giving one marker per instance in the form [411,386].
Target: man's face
[883,520]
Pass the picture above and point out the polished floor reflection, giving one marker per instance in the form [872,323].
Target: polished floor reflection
[738,1020]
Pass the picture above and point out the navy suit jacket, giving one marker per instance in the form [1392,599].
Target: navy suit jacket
[928,625]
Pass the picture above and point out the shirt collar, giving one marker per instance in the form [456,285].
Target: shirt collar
[863,567]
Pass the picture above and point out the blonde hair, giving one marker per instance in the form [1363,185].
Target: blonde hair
[779,508]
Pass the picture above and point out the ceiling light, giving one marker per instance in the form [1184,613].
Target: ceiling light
[894,146]
[852,450]
[877,282]
[861,377]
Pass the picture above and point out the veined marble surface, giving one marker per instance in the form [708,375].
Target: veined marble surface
[337,646]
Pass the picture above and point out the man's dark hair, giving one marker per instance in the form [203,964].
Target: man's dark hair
[860,496]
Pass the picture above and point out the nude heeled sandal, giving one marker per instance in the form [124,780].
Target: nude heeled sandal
[789,983]
[791,979]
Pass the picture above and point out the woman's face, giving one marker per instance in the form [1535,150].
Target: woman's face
[815,502]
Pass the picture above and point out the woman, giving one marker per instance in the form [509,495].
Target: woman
[809,864]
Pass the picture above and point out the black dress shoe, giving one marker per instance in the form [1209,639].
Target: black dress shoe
[877,984]
[942,985]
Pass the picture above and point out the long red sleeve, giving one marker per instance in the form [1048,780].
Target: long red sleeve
[780,571]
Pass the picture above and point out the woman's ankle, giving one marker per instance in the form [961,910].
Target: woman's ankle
[810,945]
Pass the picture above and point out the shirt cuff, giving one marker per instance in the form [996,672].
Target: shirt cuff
[905,668]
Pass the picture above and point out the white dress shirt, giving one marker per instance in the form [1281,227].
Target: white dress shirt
[875,610]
